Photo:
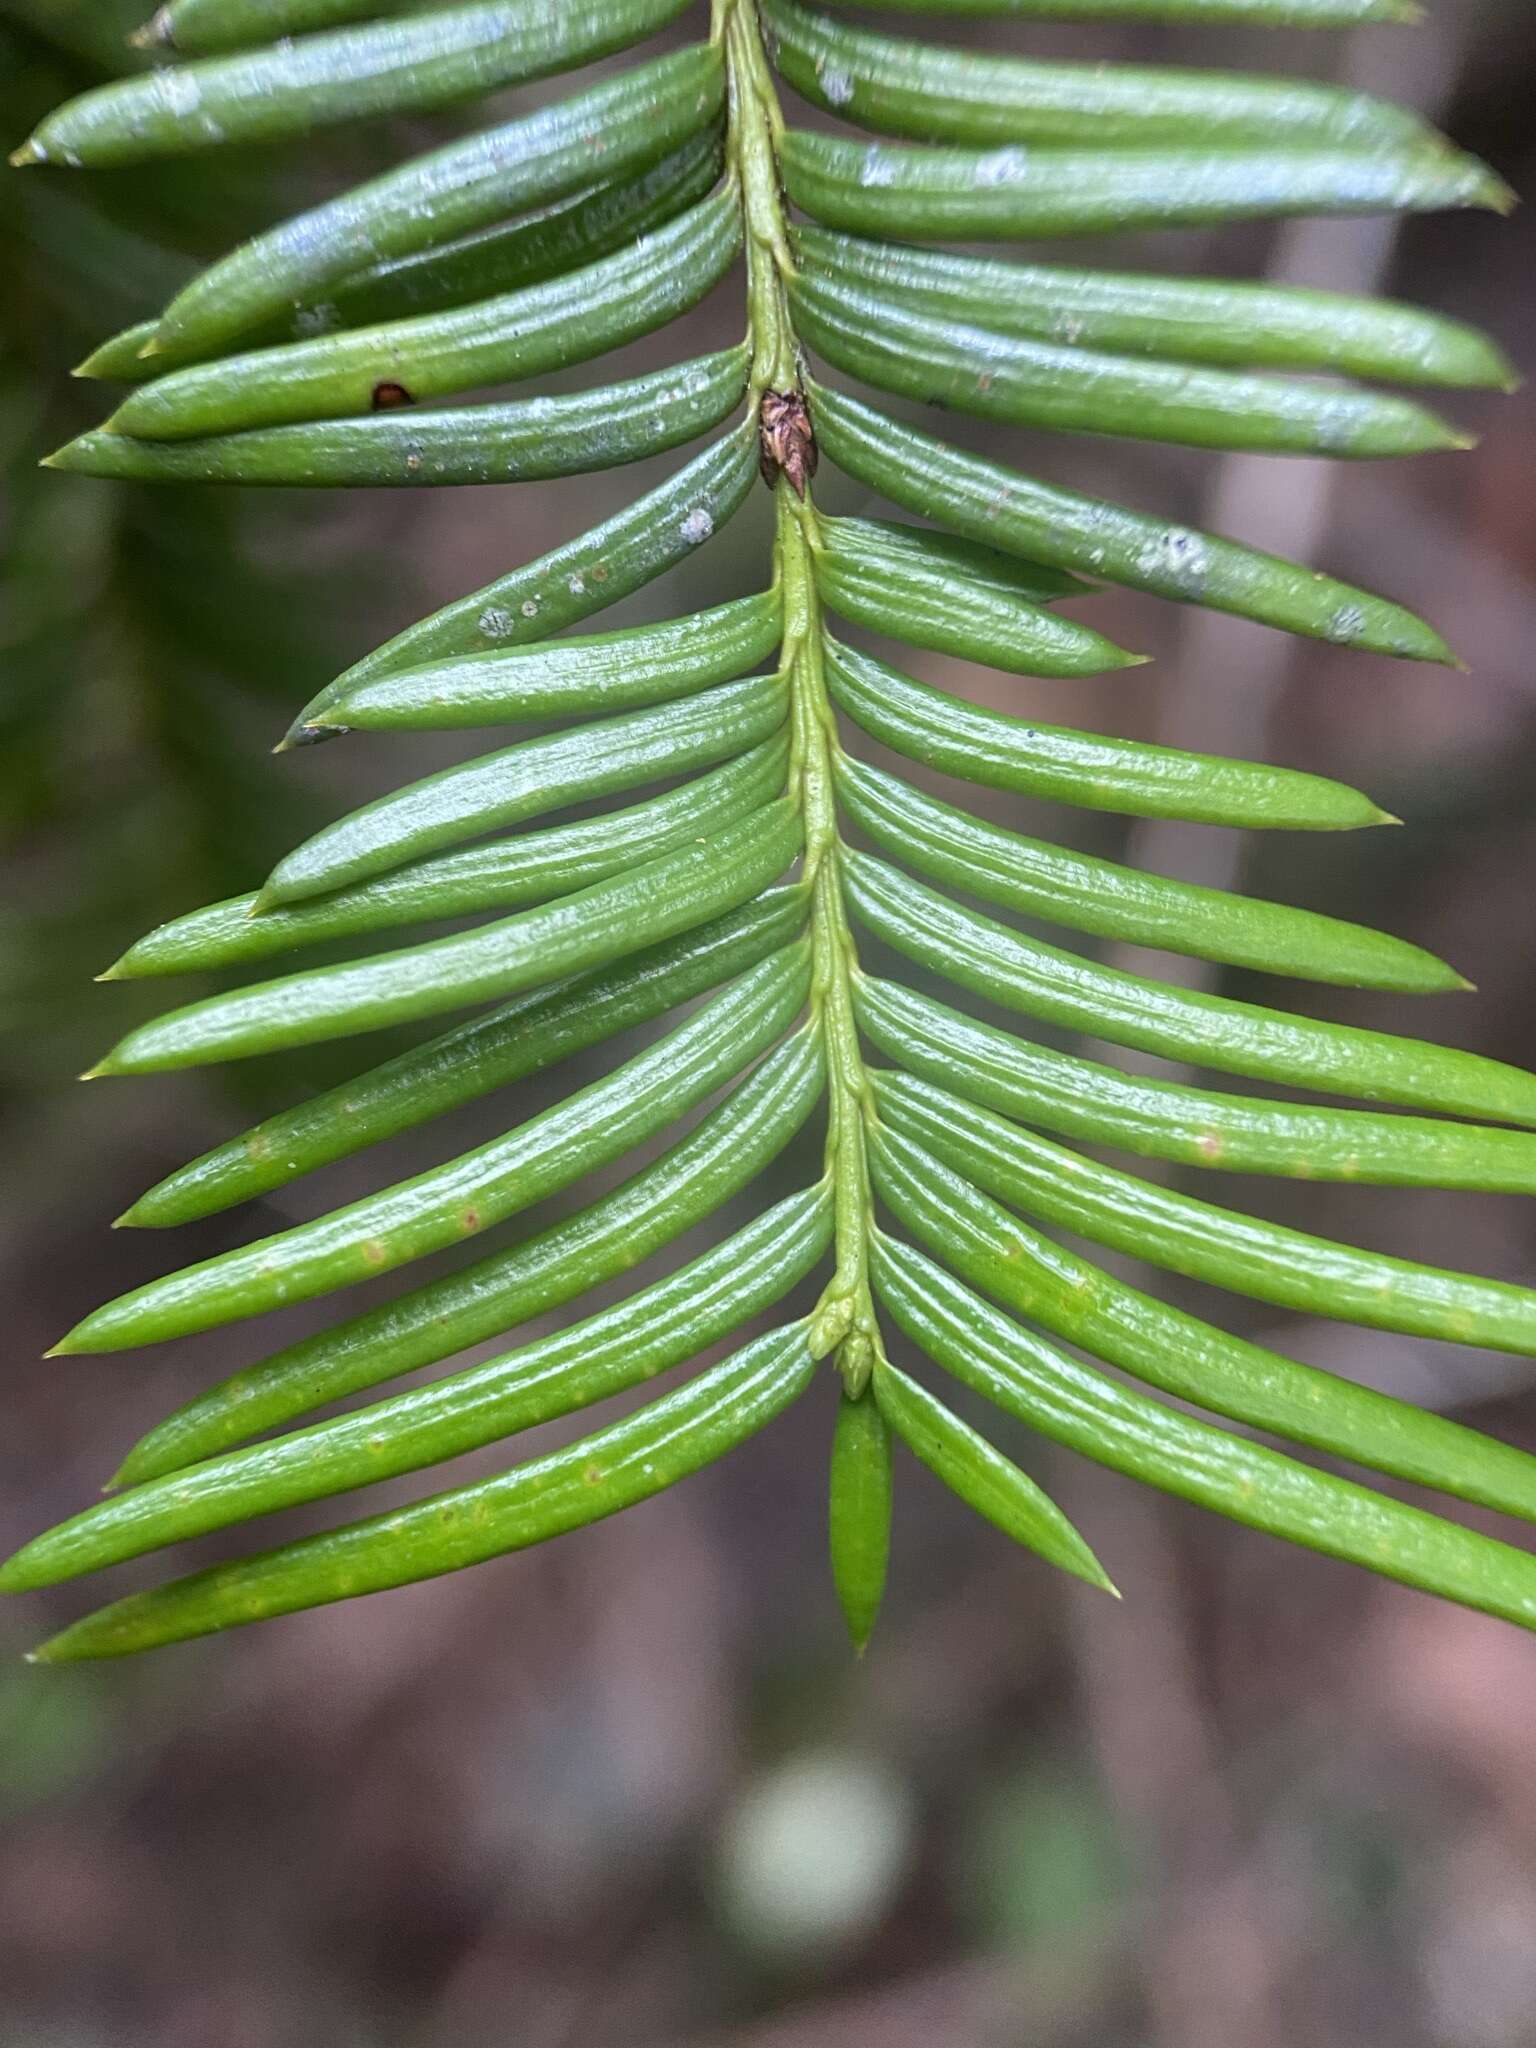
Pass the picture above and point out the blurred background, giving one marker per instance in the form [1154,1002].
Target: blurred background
[634,1789]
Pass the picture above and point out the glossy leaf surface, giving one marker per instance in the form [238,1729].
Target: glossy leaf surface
[661,893]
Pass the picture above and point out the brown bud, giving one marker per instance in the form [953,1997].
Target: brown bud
[786,446]
[386,397]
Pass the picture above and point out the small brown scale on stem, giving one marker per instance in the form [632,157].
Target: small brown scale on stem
[786,443]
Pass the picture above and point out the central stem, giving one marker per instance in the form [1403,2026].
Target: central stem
[844,1319]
